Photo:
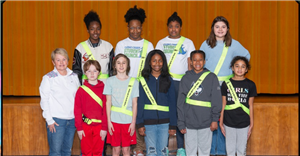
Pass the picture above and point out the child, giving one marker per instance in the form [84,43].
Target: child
[90,111]
[236,121]
[220,48]
[156,118]
[198,106]
[121,93]
[93,49]
[180,47]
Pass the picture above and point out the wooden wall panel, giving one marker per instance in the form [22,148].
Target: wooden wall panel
[275,130]
[33,29]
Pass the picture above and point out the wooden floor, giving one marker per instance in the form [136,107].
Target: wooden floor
[275,130]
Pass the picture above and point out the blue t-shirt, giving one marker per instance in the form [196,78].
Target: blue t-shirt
[117,89]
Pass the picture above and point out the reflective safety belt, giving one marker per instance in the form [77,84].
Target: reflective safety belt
[91,56]
[173,56]
[143,57]
[237,103]
[153,105]
[220,63]
[125,101]
[192,91]
[97,99]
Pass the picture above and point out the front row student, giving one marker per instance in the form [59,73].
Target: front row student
[236,120]
[90,111]
[199,105]
[156,118]
[121,93]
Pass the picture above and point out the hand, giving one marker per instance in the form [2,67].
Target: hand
[142,131]
[172,132]
[80,134]
[110,128]
[52,127]
[103,134]
[131,129]
[249,132]
[222,129]
[183,131]
[214,126]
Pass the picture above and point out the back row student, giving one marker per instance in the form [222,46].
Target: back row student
[136,49]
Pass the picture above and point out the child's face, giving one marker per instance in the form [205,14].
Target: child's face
[239,68]
[60,62]
[92,73]
[220,30]
[94,31]
[174,29]
[198,62]
[121,65]
[156,63]
[135,29]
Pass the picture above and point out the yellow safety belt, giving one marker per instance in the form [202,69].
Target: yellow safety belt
[237,103]
[220,63]
[125,101]
[173,56]
[153,105]
[91,56]
[143,57]
[97,99]
[192,91]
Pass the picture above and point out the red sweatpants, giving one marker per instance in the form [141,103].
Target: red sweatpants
[91,143]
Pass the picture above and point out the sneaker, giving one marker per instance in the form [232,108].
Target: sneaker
[138,153]
[181,152]
[167,151]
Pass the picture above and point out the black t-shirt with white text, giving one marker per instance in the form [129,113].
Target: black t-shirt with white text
[238,118]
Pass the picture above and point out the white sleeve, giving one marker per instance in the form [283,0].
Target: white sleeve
[45,92]
[191,47]
[119,49]
[150,47]
[159,46]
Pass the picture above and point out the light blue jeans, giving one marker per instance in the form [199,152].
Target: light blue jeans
[218,146]
[61,141]
[156,139]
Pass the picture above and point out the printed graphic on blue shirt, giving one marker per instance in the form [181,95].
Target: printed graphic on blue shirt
[132,51]
[199,89]
[169,48]
[242,94]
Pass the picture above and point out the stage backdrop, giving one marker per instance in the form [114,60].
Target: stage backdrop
[32,30]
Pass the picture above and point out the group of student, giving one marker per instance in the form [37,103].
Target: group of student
[138,95]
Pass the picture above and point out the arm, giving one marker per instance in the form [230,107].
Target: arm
[172,106]
[140,111]
[76,67]
[110,65]
[251,101]
[134,112]
[108,106]
[241,51]
[45,91]
[222,115]
[216,101]
[103,131]
[180,107]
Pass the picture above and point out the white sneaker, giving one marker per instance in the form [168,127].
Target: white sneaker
[139,153]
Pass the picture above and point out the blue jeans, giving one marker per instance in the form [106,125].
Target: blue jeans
[179,135]
[156,139]
[61,141]
[218,142]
